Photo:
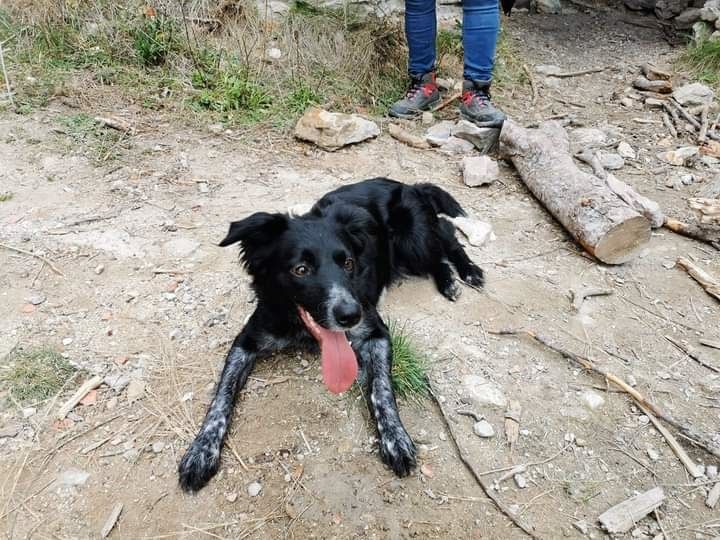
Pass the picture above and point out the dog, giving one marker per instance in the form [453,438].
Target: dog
[318,278]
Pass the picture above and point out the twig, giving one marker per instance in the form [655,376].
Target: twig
[111,520]
[700,440]
[70,404]
[475,416]
[31,254]
[690,118]
[706,281]
[569,74]
[692,354]
[669,125]
[702,234]
[579,295]
[397,132]
[5,75]
[710,343]
[487,489]
[533,88]
[702,137]
[307,444]
[527,465]
[448,100]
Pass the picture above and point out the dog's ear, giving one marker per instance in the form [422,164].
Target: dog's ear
[357,224]
[258,229]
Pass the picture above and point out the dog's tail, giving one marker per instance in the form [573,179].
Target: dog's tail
[440,200]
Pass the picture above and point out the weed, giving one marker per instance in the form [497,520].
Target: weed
[85,132]
[409,370]
[35,375]
[449,43]
[508,72]
[5,196]
[154,40]
[234,94]
[703,60]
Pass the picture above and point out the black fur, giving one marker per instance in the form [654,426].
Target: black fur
[334,262]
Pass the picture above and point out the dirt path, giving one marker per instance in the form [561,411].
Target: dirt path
[167,302]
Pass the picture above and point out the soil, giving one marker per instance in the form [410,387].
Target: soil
[146,294]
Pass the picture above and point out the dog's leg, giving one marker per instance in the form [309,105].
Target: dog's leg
[202,459]
[444,278]
[396,448]
[468,271]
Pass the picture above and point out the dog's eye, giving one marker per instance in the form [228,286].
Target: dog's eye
[349,265]
[300,270]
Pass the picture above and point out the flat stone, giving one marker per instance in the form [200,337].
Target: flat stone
[73,478]
[485,139]
[482,392]
[254,489]
[456,145]
[592,400]
[439,134]
[332,131]
[625,151]
[484,429]
[479,171]
[694,94]
[611,161]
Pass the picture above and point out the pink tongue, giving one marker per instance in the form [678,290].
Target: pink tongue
[339,366]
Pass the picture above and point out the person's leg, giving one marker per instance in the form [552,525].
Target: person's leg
[481,25]
[420,30]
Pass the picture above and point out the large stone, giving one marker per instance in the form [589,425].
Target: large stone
[694,94]
[479,171]
[710,11]
[547,6]
[332,131]
[611,161]
[667,9]
[439,134]
[456,145]
[485,139]
[687,18]
[482,392]
[477,232]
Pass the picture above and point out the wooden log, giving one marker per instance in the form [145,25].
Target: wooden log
[397,132]
[647,207]
[706,281]
[623,517]
[709,235]
[659,86]
[602,223]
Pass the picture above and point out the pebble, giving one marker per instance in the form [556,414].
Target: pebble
[36,299]
[592,399]
[687,179]
[479,170]
[67,341]
[581,526]
[422,437]
[643,420]
[442,436]
[631,380]
[254,489]
[131,455]
[112,403]
[427,470]
[625,150]
[27,412]
[484,429]
[711,471]
[73,477]
[627,102]
[274,53]
[117,381]
[216,129]
[520,481]
[99,269]
[158,447]
[231,497]
[438,134]
[679,156]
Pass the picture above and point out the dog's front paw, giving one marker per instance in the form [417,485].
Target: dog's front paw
[451,291]
[473,276]
[198,465]
[398,451]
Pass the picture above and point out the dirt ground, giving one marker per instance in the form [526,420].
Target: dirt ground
[168,302]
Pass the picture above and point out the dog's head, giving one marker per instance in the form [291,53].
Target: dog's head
[315,260]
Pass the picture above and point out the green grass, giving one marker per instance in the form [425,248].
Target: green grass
[100,143]
[410,365]
[703,61]
[5,196]
[509,70]
[35,375]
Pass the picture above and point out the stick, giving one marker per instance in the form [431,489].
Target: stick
[669,125]
[396,132]
[623,517]
[487,489]
[533,89]
[698,439]
[70,404]
[710,343]
[702,234]
[702,137]
[569,74]
[5,76]
[448,100]
[579,295]
[31,254]
[111,520]
[692,354]
[706,281]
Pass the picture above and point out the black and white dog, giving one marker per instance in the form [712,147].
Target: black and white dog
[318,278]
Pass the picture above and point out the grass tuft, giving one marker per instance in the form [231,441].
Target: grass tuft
[35,375]
[410,366]
[99,142]
[5,196]
[703,61]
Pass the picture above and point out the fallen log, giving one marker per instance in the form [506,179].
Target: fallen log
[397,132]
[709,235]
[600,221]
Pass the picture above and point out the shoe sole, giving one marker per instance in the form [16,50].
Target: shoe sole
[417,113]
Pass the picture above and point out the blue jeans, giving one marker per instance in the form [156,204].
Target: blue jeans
[481,23]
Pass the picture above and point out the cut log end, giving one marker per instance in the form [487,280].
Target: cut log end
[621,243]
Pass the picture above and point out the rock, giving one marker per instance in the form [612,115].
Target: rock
[484,429]
[667,9]
[640,5]
[455,145]
[711,472]
[679,156]
[216,129]
[439,134]
[135,390]
[625,151]
[520,481]
[479,170]
[652,453]
[592,399]
[73,478]
[9,431]
[611,161]
[332,131]
[673,183]
[254,489]
[28,412]
[99,269]
[67,341]
[627,102]
[687,179]
[687,19]
[477,232]
[158,447]
[131,455]
[653,102]
[547,6]
[427,118]
[694,94]
[710,11]
[482,392]
[485,139]
[273,53]
[231,497]
[180,247]
[426,469]
[117,381]
[36,298]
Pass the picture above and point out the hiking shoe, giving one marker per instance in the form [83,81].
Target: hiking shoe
[477,107]
[421,96]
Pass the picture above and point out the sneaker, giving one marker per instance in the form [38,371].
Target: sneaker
[477,107]
[422,95]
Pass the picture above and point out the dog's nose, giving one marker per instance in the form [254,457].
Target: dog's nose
[347,314]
